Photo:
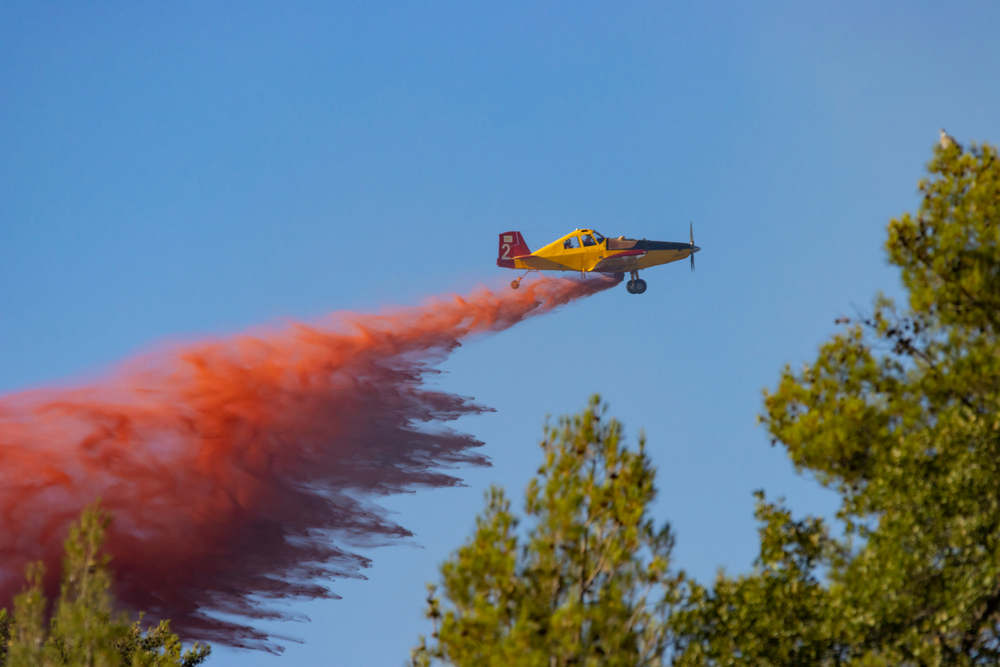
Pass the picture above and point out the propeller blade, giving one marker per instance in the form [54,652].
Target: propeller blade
[692,247]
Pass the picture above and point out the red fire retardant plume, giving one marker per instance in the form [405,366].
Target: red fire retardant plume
[233,468]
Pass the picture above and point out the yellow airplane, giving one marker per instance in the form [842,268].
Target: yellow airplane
[587,251]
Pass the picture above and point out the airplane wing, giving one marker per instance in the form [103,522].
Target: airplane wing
[540,263]
[620,262]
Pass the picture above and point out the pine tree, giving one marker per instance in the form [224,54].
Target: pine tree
[85,631]
[900,414]
[587,584]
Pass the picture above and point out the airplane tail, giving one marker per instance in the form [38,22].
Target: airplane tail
[511,245]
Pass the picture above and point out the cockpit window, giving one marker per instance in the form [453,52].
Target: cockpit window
[571,243]
[600,239]
[588,240]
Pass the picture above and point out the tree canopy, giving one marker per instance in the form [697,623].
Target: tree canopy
[84,630]
[899,414]
[587,584]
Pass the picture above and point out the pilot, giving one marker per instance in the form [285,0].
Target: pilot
[588,240]
[568,244]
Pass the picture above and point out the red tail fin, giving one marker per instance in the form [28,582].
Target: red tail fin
[511,245]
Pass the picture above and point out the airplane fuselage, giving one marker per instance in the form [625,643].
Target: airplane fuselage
[585,250]
[582,251]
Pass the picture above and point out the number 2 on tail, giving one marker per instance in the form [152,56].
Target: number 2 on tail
[506,251]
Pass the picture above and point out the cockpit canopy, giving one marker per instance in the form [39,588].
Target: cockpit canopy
[583,238]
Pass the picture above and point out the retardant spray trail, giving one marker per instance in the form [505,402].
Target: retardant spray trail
[234,468]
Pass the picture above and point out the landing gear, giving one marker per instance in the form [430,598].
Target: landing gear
[514,284]
[637,285]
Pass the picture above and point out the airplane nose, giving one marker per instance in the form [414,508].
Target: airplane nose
[695,249]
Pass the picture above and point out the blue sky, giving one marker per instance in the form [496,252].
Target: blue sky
[173,169]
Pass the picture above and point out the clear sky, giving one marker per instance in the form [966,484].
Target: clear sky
[174,169]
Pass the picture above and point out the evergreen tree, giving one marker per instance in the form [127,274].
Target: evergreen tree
[85,631]
[4,635]
[779,614]
[587,584]
[900,414]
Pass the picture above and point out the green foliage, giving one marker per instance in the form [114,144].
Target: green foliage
[27,640]
[780,614]
[84,631]
[900,414]
[157,647]
[587,584]
[4,635]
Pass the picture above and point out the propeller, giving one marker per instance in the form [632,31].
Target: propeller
[692,247]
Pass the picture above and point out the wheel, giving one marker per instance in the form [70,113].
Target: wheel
[639,286]
[628,286]
[514,284]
